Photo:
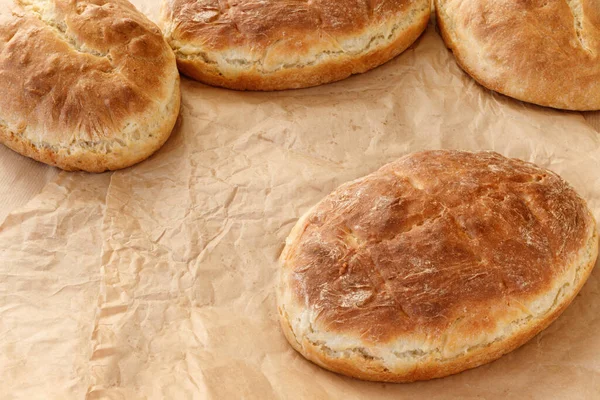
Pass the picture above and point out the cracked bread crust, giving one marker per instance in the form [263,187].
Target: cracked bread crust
[545,52]
[88,85]
[275,45]
[436,263]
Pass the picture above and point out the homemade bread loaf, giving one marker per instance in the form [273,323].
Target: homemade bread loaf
[275,44]
[86,85]
[436,263]
[545,52]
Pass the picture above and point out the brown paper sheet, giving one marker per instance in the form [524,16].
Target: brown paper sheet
[157,281]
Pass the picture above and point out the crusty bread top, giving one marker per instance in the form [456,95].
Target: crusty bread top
[279,34]
[82,74]
[439,244]
[541,51]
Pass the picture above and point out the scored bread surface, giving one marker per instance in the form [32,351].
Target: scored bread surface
[436,263]
[545,52]
[87,85]
[274,44]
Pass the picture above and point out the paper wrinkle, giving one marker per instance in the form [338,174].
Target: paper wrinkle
[49,280]
[158,281]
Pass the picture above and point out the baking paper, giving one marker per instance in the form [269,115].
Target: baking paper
[157,281]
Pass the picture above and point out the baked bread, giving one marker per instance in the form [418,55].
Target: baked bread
[276,44]
[86,85]
[436,263]
[545,52]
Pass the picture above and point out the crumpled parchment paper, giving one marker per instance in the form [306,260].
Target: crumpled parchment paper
[157,281]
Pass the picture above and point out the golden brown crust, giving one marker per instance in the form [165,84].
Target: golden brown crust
[89,85]
[542,52]
[436,263]
[278,45]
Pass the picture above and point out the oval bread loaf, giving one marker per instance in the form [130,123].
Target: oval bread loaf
[87,85]
[545,52]
[436,263]
[283,44]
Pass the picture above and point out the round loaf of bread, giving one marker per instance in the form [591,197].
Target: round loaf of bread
[436,263]
[545,52]
[276,44]
[86,85]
